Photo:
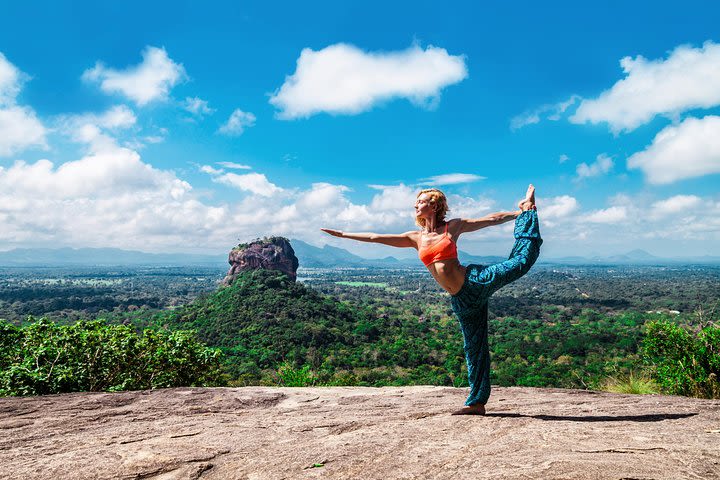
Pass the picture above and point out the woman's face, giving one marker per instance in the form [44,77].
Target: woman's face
[423,207]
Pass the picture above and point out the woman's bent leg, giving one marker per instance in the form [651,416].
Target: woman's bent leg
[523,255]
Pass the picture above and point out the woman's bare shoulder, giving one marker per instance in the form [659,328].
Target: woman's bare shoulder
[454,224]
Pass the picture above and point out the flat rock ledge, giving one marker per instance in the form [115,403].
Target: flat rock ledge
[357,432]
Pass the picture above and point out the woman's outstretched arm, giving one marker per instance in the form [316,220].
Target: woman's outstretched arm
[403,240]
[497,218]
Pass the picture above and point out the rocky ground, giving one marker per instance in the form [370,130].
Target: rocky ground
[344,432]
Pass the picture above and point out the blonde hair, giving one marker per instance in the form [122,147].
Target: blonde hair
[437,200]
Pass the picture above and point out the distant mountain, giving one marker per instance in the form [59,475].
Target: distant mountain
[309,256]
[103,257]
[466,258]
[329,257]
[638,254]
[633,257]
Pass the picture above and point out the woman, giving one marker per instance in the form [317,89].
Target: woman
[470,287]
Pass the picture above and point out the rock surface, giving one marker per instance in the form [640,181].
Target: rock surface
[274,253]
[357,432]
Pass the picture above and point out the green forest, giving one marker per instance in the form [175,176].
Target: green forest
[646,331]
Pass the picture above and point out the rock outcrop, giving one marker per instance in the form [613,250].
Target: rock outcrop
[274,253]
[357,432]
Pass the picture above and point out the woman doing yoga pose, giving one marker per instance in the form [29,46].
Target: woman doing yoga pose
[469,287]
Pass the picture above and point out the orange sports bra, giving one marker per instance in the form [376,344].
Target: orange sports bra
[445,249]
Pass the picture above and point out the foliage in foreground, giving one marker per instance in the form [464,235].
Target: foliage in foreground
[44,358]
[684,362]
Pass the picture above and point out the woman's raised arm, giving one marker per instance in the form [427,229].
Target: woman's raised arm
[497,218]
[403,240]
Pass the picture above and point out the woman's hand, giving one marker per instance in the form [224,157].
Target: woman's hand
[334,233]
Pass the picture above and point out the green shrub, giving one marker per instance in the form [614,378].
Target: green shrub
[633,383]
[46,358]
[290,376]
[684,362]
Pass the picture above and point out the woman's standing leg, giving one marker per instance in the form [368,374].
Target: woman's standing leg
[472,312]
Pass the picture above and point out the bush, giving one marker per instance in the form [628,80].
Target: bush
[296,377]
[633,383]
[46,358]
[684,362]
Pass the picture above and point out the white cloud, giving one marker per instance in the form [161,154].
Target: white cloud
[154,139]
[393,198]
[108,198]
[675,205]
[235,166]
[609,215]
[555,208]
[11,79]
[20,129]
[468,207]
[453,178]
[19,126]
[548,112]
[197,106]
[97,130]
[237,122]
[563,158]
[252,182]
[602,165]
[689,78]
[117,117]
[342,79]
[690,149]
[210,170]
[149,81]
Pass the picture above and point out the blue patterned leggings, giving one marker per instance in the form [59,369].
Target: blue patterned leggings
[470,304]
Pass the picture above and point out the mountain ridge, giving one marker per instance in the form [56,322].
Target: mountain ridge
[309,255]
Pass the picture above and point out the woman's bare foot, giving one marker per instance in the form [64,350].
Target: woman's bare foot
[528,203]
[477,409]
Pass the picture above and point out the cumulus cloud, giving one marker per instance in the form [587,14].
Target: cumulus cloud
[237,123]
[563,158]
[608,215]
[602,165]
[393,198]
[197,106]
[555,208]
[149,81]
[20,129]
[689,78]
[452,178]
[98,130]
[545,112]
[678,204]
[250,182]
[343,79]
[19,126]
[11,79]
[469,207]
[117,117]
[107,198]
[690,149]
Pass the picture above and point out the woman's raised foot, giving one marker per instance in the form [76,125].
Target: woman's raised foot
[528,203]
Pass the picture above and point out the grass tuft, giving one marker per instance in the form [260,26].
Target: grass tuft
[632,383]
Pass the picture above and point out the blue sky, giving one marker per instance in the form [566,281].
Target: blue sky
[188,126]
